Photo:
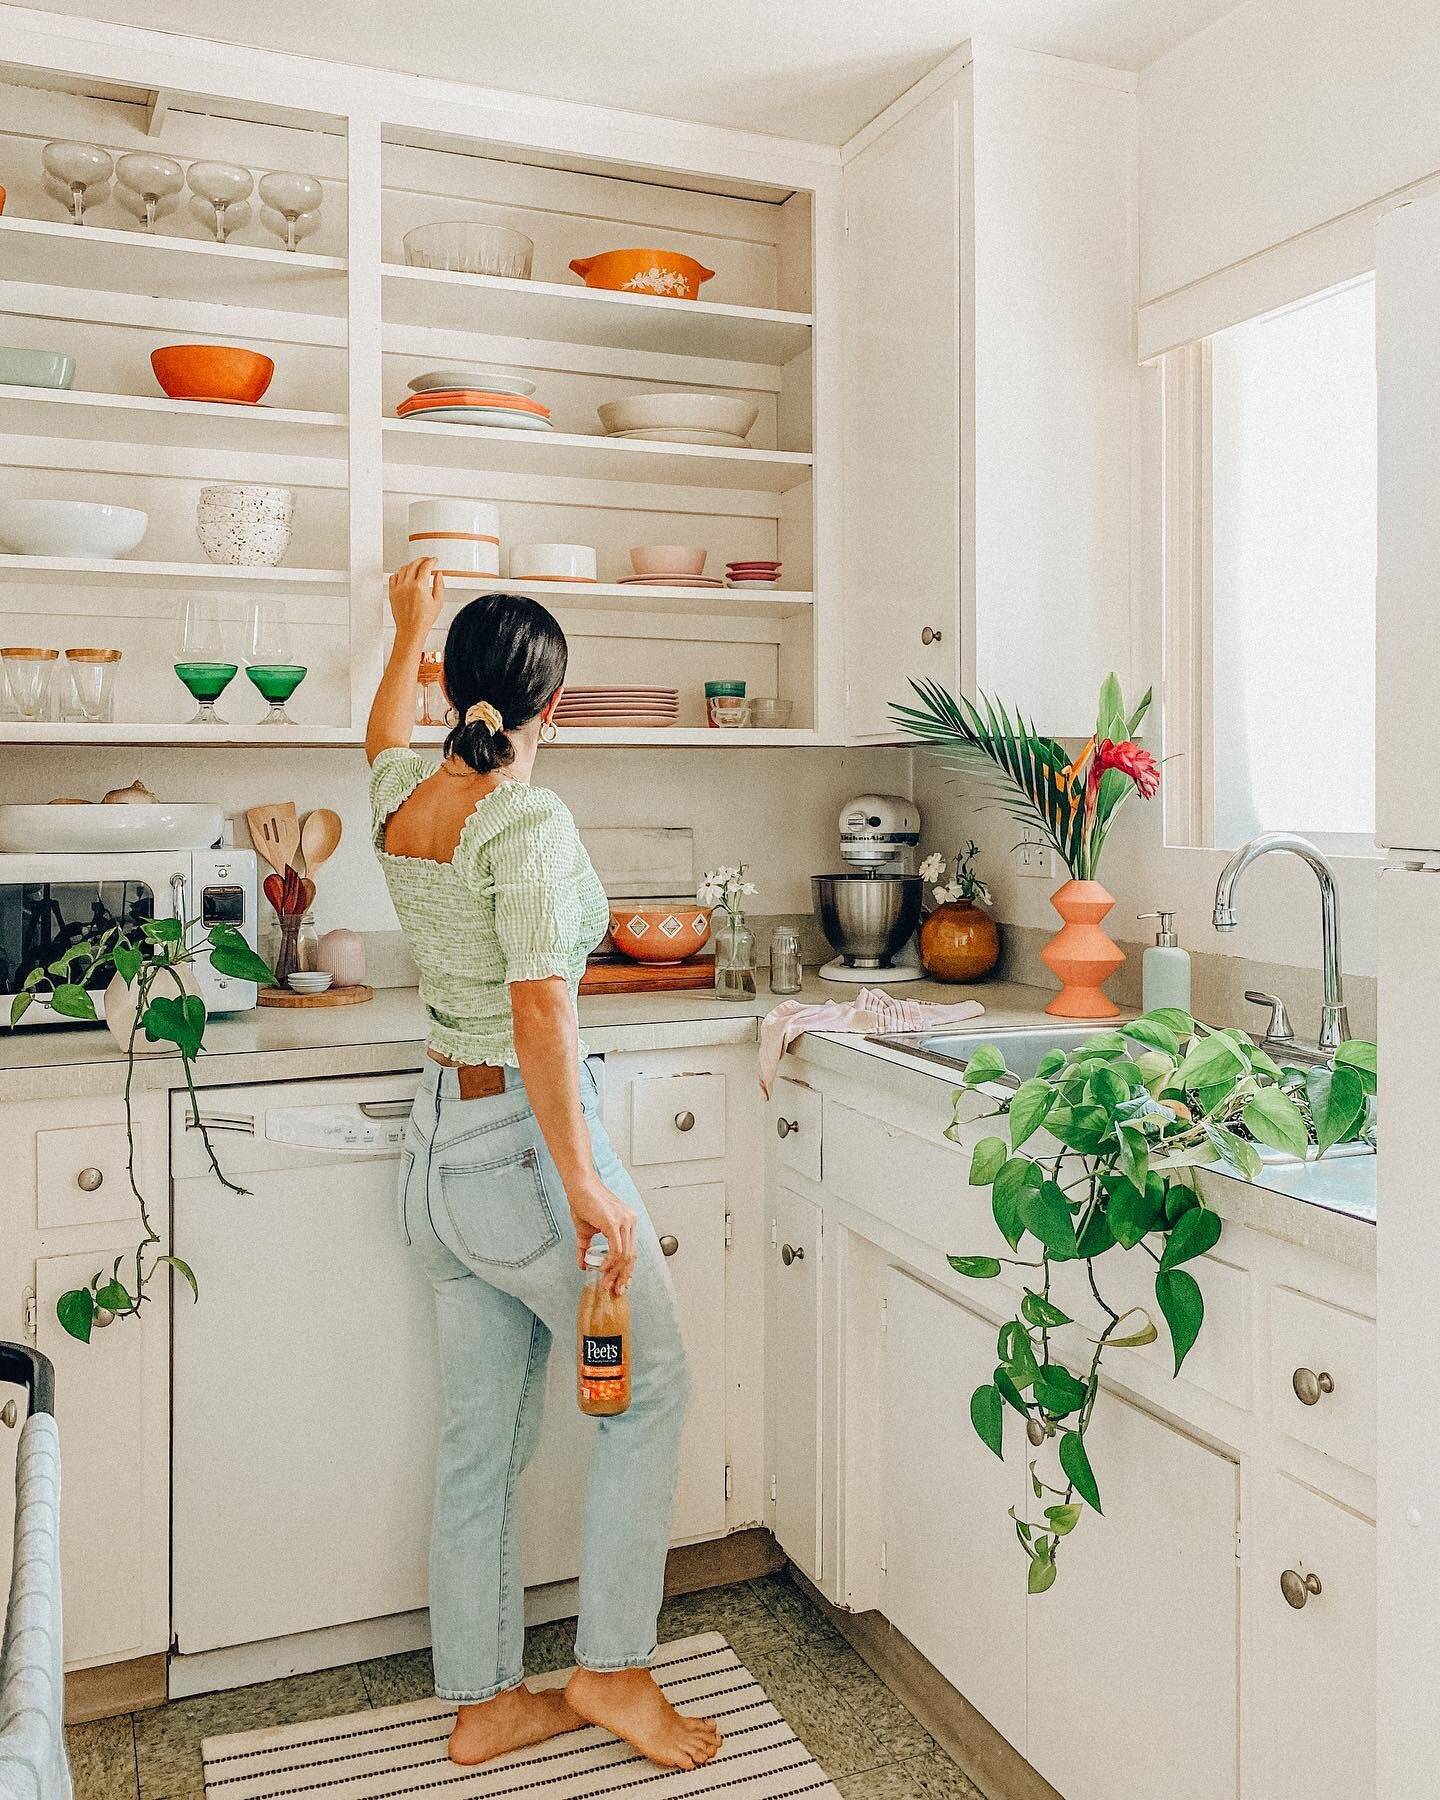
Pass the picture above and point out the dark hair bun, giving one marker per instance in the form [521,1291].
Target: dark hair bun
[508,650]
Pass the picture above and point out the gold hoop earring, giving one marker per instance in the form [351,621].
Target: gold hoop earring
[549,731]
[452,718]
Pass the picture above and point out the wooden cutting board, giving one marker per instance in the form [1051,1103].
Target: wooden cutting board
[647,978]
[333,996]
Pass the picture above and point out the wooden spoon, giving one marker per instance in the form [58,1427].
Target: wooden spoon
[275,833]
[319,837]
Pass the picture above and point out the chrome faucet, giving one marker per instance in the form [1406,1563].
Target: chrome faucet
[1334,1020]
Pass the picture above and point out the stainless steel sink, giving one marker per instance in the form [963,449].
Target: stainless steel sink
[1022,1046]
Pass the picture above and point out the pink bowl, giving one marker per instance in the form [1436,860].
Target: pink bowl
[667,559]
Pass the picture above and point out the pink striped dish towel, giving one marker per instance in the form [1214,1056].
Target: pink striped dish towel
[872,1010]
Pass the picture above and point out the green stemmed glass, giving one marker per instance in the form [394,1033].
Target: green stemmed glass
[200,659]
[269,663]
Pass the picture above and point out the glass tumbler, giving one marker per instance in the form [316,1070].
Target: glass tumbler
[785,970]
[92,683]
[29,673]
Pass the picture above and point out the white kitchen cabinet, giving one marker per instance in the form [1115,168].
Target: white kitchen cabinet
[793,1377]
[1317,1743]
[954,1577]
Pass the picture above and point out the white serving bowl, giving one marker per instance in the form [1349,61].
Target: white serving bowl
[679,412]
[70,528]
[552,562]
[163,825]
[468,247]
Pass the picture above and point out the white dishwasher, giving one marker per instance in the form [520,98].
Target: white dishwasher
[306,1394]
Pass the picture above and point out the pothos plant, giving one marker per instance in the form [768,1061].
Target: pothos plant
[1127,1118]
[142,953]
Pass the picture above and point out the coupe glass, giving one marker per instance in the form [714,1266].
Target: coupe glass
[292,196]
[225,186]
[147,181]
[201,662]
[270,664]
[291,227]
[77,168]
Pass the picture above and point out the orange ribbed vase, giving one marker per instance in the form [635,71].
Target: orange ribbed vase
[1081,953]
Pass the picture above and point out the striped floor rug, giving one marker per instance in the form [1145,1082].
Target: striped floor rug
[400,1750]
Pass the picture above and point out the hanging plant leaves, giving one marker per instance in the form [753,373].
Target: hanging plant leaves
[1042,1570]
[1037,1310]
[72,1001]
[76,1313]
[183,1269]
[1274,1118]
[1047,1217]
[1151,1032]
[984,1064]
[1337,1104]
[1075,1461]
[1177,1293]
[987,1160]
[1195,1234]
[176,1021]
[1033,1099]
[987,1416]
[1058,1391]
[231,955]
[978,1268]
[1063,1519]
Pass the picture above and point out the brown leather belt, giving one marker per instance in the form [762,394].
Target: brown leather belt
[477,1080]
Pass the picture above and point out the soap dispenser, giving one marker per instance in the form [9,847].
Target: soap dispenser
[1165,967]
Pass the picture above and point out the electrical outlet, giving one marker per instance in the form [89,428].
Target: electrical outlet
[1033,856]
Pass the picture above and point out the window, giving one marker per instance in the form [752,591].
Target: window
[1271,641]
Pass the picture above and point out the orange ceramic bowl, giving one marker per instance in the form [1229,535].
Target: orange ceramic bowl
[659,931]
[665,272]
[212,372]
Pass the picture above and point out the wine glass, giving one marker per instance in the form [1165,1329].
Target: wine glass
[201,659]
[77,168]
[147,181]
[293,197]
[269,660]
[226,186]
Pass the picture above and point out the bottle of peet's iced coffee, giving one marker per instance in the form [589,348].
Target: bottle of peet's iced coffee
[602,1341]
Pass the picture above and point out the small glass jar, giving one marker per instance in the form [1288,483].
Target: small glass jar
[785,971]
[735,961]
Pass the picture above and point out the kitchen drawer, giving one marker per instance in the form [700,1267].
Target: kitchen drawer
[1322,1377]
[80,1176]
[677,1118]
[794,1117]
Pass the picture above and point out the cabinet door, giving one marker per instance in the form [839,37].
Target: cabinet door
[792,1377]
[1133,1654]
[902,409]
[954,1579]
[1319,1716]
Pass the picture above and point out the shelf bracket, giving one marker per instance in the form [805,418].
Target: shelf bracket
[157,110]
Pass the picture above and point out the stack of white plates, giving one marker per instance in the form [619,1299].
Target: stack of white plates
[618,707]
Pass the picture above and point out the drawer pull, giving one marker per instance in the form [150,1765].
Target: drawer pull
[685,1121]
[1309,1386]
[785,1127]
[930,635]
[9,1414]
[669,1244]
[89,1179]
[792,1253]
[1298,1588]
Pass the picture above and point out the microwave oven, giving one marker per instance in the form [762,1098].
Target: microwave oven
[50,901]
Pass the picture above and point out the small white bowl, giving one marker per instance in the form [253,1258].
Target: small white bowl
[310,981]
[680,412]
[668,559]
[552,562]
[70,528]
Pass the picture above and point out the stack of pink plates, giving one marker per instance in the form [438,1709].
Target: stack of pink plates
[685,581]
[618,706]
[752,574]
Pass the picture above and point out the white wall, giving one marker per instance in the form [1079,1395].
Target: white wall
[775,809]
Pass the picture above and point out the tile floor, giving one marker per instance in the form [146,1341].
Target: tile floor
[848,1719]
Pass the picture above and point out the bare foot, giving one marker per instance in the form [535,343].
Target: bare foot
[628,1702]
[509,1722]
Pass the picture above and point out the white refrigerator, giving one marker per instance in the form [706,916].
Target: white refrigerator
[1408,826]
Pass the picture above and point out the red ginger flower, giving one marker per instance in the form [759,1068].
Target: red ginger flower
[1130,759]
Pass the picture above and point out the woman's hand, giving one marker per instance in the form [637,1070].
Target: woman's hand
[417,593]
[594,1211]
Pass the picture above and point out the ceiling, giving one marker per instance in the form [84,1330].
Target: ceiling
[813,69]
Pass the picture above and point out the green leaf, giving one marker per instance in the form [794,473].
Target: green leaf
[1211,1062]
[1018,1177]
[128,962]
[1033,1099]
[176,1021]
[1035,1309]
[19,1006]
[1010,1393]
[1356,1053]
[1058,1391]
[1173,1019]
[1042,1573]
[76,1312]
[1134,1152]
[1049,1064]
[1239,1152]
[162,931]
[1075,1461]
[1108,1087]
[984,1064]
[1047,1217]
[1180,1196]
[1153,1034]
[1132,1212]
[987,1161]
[1017,1354]
[987,1416]
[1196,1233]
[1337,1104]
[72,1002]
[1082,1129]
[1178,1295]
[182,1268]
[1136,1340]
[231,955]
[1101,1043]
[1274,1118]
[115,1296]
[1096,1237]
[979,1268]
[1063,1519]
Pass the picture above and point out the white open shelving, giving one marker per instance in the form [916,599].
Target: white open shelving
[177,576]
[621,597]
[185,424]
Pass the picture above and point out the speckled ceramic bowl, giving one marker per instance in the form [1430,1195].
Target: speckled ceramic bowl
[244,526]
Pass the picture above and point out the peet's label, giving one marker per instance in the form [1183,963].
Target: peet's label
[602,1357]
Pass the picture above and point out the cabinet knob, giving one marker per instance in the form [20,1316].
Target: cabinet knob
[1309,1386]
[669,1244]
[1298,1588]
[930,635]
[685,1121]
[89,1179]
[784,1127]
[792,1253]
[9,1413]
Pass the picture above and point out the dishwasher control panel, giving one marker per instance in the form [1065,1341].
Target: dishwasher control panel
[368,1126]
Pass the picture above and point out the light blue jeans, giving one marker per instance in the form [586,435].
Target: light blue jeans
[484,1209]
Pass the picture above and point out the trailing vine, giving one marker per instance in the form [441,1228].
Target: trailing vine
[1115,1130]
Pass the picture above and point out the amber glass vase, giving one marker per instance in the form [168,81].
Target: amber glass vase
[959,941]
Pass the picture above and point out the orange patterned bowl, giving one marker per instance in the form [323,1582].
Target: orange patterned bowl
[212,372]
[659,931]
[665,272]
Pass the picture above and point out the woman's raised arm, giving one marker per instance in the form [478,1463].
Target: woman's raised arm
[417,593]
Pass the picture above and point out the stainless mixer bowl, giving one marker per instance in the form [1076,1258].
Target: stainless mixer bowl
[867,918]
